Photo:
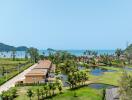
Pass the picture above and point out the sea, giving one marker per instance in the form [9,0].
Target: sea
[21,54]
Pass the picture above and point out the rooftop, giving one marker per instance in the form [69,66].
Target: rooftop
[37,72]
[43,64]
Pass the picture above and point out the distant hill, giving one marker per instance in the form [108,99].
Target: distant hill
[4,47]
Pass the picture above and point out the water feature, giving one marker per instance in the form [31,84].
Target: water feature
[100,86]
[100,71]
[21,54]
[64,78]
[128,68]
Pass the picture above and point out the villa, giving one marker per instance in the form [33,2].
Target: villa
[40,73]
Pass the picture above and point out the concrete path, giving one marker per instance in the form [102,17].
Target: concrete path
[11,83]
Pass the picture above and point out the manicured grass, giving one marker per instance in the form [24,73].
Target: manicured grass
[11,68]
[84,93]
[111,78]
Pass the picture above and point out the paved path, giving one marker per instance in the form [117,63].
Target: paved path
[11,83]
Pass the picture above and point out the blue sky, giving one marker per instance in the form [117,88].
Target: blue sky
[66,24]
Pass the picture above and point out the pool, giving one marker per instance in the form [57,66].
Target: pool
[128,68]
[64,79]
[100,71]
[100,86]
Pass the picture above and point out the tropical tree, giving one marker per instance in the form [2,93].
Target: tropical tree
[26,55]
[3,70]
[118,53]
[46,89]
[51,53]
[34,55]
[14,92]
[30,93]
[125,86]
[59,84]
[38,93]
[75,78]
[5,95]
[42,93]
[13,54]
[53,85]
[41,57]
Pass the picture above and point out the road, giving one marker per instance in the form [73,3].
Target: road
[11,83]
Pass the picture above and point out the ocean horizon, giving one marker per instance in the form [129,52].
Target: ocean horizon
[21,54]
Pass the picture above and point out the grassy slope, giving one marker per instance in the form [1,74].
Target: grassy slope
[84,93]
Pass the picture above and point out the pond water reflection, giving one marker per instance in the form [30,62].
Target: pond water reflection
[100,86]
[100,71]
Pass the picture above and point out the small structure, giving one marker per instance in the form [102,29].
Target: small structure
[36,76]
[40,73]
[112,94]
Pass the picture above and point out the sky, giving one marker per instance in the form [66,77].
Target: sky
[66,24]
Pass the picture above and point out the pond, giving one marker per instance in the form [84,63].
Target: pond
[128,68]
[100,86]
[100,71]
[64,79]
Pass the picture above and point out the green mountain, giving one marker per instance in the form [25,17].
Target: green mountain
[4,47]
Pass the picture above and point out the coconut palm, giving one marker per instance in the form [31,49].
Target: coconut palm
[38,93]
[13,54]
[34,55]
[42,93]
[53,88]
[46,89]
[118,53]
[125,87]
[14,92]
[30,93]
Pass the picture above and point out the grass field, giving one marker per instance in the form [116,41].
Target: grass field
[10,68]
[111,78]
[84,93]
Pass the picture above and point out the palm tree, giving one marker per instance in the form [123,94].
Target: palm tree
[14,92]
[26,55]
[30,93]
[7,95]
[14,54]
[118,53]
[59,84]
[125,87]
[60,88]
[42,93]
[53,88]
[34,55]
[3,71]
[38,93]
[46,89]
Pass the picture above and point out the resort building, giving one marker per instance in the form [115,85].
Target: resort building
[40,73]
[36,76]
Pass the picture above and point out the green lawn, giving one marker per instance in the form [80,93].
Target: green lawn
[111,78]
[84,93]
[11,68]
